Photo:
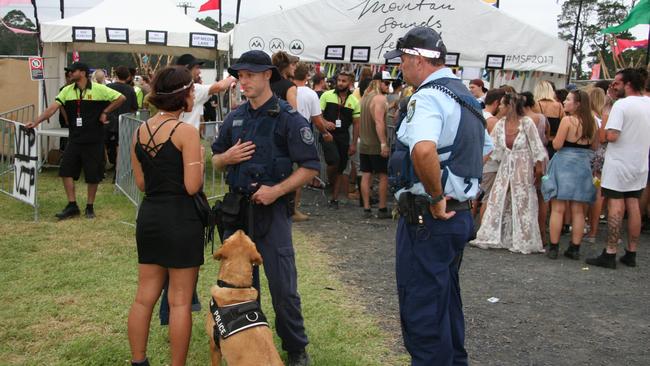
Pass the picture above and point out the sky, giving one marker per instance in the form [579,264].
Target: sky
[541,14]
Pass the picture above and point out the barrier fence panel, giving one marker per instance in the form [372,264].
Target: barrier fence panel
[214,184]
[19,156]
[124,178]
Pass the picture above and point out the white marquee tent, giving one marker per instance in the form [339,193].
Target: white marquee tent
[359,30]
[144,26]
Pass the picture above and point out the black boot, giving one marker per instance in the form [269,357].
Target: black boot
[552,250]
[71,210]
[629,259]
[603,260]
[573,251]
[141,363]
[300,358]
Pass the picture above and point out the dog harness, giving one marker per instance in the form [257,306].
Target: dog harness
[231,319]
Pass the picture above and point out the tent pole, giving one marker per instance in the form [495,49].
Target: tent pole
[575,39]
[647,49]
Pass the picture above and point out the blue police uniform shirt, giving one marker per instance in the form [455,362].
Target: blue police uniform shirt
[435,118]
[296,139]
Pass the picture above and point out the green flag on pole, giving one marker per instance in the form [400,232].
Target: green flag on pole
[640,14]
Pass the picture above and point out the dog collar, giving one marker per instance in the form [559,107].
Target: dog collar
[225,284]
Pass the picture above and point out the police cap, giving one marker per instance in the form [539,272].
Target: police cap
[419,41]
[255,61]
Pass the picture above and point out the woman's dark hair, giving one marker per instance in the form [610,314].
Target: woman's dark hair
[584,114]
[561,94]
[529,99]
[170,88]
[516,104]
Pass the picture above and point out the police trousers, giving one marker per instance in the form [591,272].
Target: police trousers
[431,313]
[272,237]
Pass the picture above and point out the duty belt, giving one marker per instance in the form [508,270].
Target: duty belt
[415,207]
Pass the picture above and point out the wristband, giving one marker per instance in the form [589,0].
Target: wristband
[434,200]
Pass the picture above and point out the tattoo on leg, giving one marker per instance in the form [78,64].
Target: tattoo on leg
[614,223]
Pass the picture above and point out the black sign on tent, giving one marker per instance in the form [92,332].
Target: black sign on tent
[83,34]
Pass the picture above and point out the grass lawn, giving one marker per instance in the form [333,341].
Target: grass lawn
[66,288]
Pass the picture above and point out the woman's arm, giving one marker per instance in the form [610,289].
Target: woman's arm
[292,96]
[562,132]
[189,143]
[137,168]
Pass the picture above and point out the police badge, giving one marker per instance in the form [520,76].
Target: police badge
[307,136]
[410,110]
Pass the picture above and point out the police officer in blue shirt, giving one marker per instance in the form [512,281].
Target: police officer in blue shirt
[258,144]
[435,171]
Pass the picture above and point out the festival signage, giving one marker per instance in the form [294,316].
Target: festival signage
[495,62]
[360,54]
[36,68]
[83,34]
[335,53]
[451,60]
[117,35]
[469,28]
[25,164]
[203,40]
[157,37]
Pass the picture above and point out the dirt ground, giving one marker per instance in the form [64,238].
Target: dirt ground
[560,312]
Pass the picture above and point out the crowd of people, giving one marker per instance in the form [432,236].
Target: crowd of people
[538,165]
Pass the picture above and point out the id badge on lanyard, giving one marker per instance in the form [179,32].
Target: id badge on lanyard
[79,120]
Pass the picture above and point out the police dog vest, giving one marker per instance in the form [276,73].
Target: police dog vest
[232,319]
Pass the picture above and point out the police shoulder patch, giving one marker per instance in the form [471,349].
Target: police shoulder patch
[306,135]
[410,110]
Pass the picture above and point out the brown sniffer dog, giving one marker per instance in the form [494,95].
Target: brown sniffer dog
[252,346]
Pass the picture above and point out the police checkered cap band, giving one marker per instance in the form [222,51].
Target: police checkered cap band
[421,52]
[176,90]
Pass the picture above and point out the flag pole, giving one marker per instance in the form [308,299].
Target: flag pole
[220,26]
[238,7]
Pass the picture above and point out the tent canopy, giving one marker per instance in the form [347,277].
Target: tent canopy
[359,30]
[136,17]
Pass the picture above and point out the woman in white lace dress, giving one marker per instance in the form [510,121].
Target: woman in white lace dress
[510,220]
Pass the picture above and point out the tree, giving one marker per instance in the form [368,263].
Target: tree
[587,31]
[214,24]
[610,13]
[17,44]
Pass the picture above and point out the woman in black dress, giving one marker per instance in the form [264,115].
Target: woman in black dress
[168,165]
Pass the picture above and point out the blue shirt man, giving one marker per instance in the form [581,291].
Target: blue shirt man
[444,160]
[258,143]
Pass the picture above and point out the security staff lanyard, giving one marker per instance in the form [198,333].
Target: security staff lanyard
[81,95]
[339,124]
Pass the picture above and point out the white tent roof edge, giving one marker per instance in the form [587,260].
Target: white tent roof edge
[469,27]
[111,14]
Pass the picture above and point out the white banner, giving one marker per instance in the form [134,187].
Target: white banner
[25,164]
[471,28]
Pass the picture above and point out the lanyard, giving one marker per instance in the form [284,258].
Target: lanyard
[81,95]
[338,113]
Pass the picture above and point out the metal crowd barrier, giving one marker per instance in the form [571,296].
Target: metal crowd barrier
[214,184]
[19,152]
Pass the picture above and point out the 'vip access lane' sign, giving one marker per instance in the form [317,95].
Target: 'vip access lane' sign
[36,68]
[25,164]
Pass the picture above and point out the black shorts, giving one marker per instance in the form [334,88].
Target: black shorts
[111,138]
[336,152]
[610,193]
[376,164]
[90,157]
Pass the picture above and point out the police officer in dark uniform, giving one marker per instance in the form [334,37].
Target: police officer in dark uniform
[435,171]
[257,145]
